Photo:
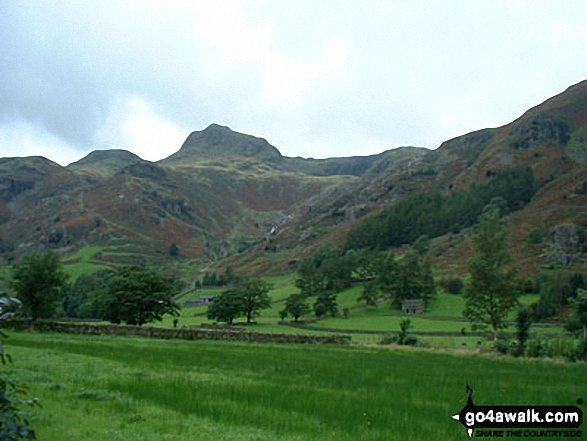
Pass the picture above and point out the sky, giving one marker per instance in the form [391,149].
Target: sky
[316,78]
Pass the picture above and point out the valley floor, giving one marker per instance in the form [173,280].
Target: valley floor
[120,388]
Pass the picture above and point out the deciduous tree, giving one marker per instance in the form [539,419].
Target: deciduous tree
[37,280]
[255,294]
[136,296]
[296,306]
[246,298]
[493,290]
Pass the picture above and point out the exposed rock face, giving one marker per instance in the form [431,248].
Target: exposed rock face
[145,169]
[10,187]
[565,236]
[564,242]
[540,130]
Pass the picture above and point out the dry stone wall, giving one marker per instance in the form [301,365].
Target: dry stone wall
[170,333]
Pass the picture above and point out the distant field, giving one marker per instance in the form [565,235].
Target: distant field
[444,314]
[81,263]
[117,388]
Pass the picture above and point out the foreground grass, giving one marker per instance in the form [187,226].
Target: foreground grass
[115,388]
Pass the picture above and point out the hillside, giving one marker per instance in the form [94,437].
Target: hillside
[229,195]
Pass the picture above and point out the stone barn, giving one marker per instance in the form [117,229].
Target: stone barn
[203,300]
[413,306]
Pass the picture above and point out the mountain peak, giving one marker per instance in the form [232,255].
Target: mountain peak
[105,162]
[217,141]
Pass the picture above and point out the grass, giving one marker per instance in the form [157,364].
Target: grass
[443,314]
[116,388]
[81,263]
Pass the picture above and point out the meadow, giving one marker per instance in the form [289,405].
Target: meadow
[119,388]
[365,324]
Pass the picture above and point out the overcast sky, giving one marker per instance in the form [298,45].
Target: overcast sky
[315,78]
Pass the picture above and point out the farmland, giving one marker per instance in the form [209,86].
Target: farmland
[441,325]
[118,388]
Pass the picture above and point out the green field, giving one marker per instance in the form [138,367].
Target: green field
[81,263]
[366,325]
[118,388]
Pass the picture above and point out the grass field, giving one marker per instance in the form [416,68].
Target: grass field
[443,314]
[117,388]
[81,263]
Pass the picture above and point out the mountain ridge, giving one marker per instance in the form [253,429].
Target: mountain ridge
[230,195]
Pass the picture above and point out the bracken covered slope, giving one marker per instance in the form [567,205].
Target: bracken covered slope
[226,194]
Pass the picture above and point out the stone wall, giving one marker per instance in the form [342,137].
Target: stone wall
[170,333]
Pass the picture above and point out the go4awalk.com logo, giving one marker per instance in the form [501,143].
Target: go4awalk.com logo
[520,421]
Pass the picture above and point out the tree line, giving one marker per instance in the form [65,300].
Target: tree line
[131,294]
[383,276]
[434,214]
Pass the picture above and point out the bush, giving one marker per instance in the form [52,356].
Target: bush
[515,349]
[453,285]
[14,423]
[388,339]
[581,351]
[501,346]
[535,236]
[536,347]
[409,340]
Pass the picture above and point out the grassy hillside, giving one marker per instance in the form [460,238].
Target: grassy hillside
[442,325]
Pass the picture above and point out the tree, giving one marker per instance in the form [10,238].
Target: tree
[410,278]
[226,307]
[337,272]
[578,319]
[174,250]
[386,269]
[37,281]
[255,294]
[246,298]
[296,306]
[310,279]
[326,304]
[523,323]
[136,296]
[555,289]
[369,294]
[493,290]
[403,337]
[78,296]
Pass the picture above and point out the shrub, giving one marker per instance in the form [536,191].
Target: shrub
[515,349]
[581,351]
[501,346]
[14,423]
[536,348]
[388,339]
[535,236]
[452,285]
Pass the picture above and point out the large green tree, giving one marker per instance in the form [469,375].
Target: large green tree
[311,280]
[37,280]
[244,299]
[296,306]
[255,295]
[136,295]
[226,307]
[78,297]
[492,291]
